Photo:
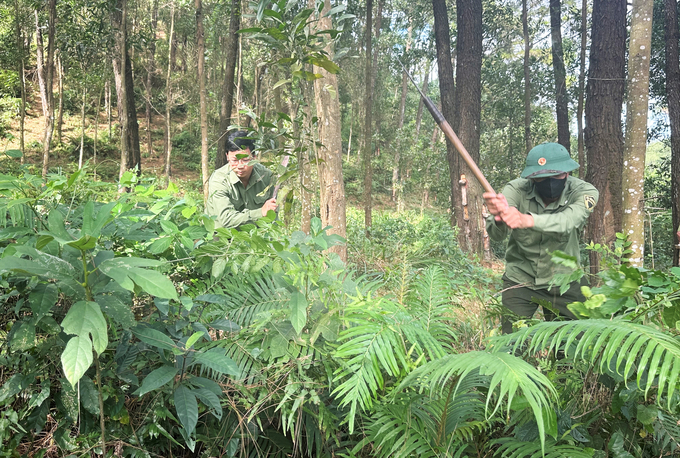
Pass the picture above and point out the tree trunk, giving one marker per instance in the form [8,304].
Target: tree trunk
[673,94]
[227,101]
[168,96]
[636,128]
[561,105]
[107,102]
[426,84]
[151,71]
[581,90]
[446,90]
[82,131]
[119,20]
[400,125]
[528,142]
[469,111]
[368,131]
[96,133]
[200,38]
[331,183]
[60,109]
[603,133]
[46,77]
[22,79]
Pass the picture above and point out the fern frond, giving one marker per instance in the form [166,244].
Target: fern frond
[430,302]
[247,295]
[512,448]
[630,347]
[383,341]
[667,433]
[508,375]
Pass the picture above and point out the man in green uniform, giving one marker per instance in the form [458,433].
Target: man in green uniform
[240,192]
[543,211]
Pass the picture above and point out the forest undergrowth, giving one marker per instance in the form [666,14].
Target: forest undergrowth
[129,329]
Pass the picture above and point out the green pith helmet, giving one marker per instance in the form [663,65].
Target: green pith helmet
[548,159]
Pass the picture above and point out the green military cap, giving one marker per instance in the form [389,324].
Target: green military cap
[548,159]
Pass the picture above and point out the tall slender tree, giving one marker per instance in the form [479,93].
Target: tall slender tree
[227,100]
[603,134]
[673,94]
[468,107]
[46,77]
[561,105]
[169,95]
[368,121]
[528,142]
[331,183]
[200,44]
[150,76]
[581,90]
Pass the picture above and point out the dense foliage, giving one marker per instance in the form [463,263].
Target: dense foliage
[127,325]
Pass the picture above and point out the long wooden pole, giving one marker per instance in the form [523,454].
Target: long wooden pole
[451,135]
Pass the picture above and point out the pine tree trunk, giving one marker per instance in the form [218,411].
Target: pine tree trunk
[636,128]
[673,94]
[368,121]
[469,110]
[447,89]
[528,142]
[331,183]
[561,105]
[200,38]
[581,90]
[227,101]
[603,134]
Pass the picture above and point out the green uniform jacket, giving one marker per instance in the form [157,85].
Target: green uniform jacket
[233,204]
[556,227]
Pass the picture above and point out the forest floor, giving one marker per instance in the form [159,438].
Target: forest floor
[152,164]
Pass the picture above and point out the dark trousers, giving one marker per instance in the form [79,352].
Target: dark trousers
[523,301]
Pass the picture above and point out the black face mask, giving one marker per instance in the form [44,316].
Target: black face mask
[550,188]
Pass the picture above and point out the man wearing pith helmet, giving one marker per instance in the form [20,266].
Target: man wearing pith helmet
[542,211]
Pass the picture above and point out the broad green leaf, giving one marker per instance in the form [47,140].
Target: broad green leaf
[15,153]
[156,379]
[24,337]
[41,300]
[55,224]
[89,396]
[169,226]
[216,360]
[193,339]
[218,266]
[154,338]
[160,245]
[11,387]
[225,325]
[92,225]
[210,399]
[116,309]
[23,266]
[127,273]
[84,319]
[76,358]
[298,311]
[647,414]
[617,446]
[187,408]
[37,400]
[84,243]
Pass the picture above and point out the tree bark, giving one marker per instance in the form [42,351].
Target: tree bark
[200,38]
[469,111]
[46,78]
[673,94]
[603,133]
[168,96]
[331,183]
[426,84]
[60,109]
[446,91]
[151,71]
[528,142]
[368,107]
[22,79]
[561,103]
[227,101]
[581,90]
[119,20]
[82,131]
[635,145]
